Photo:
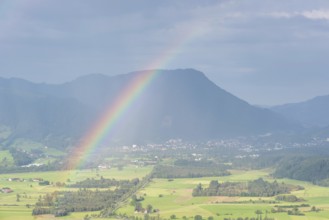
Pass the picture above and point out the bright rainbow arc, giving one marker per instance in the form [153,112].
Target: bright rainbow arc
[106,124]
[131,92]
[111,117]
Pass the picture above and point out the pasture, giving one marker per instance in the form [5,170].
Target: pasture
[170,197]
[28,191]
[174,197]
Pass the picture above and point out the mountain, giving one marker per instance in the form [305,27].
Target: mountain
[313,112]
[30,113]
[180,103]
[186,104]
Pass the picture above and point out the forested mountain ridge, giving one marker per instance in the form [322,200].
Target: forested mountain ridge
[181,103]
[313,169]
[313,112]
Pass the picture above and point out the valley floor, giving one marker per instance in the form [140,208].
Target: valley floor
[174,198]
[170,198]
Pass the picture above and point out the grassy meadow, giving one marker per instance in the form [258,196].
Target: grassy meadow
[29,192]
[175,198]
[170,197]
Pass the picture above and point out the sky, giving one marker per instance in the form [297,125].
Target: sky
[267,52]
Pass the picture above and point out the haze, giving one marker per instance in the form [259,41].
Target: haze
[265,52]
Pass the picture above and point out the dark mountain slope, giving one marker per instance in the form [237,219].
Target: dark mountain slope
[184,103]
[30,113]
[175,104]
[313,112]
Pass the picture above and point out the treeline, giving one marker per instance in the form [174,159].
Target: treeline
[89,200]
[264,161]
[247,218]
[313,169]
[199,163]
[258,187]
[103,183]
[78,201]
[190,169]
[289,198]
[62,203]
[56,165]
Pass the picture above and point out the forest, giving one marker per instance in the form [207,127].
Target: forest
[190,169]
[103,183]
[254,188]
[61,203]
[312,169]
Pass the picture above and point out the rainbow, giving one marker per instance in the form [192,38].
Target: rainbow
[179,36]
[106,123]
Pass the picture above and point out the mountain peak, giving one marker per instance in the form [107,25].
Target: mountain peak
[313,112]
[180,103]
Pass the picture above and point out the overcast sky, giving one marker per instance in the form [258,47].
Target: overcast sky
[265,52]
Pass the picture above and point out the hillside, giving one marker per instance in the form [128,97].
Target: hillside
[313,112]
[176,104]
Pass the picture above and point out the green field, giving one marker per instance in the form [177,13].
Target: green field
[30,191]
[176,199]
[169,197]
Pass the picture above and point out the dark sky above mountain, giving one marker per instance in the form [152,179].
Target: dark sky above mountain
[264,51]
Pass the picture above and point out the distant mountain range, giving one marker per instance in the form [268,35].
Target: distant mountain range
[180,103]
[313,112]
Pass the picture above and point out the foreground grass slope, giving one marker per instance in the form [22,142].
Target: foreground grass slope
[174,198]
[29,192]
[171,197]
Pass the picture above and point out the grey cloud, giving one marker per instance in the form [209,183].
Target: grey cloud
[253,48]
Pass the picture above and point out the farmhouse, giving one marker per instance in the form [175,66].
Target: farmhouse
[6,190]
[15,179]
[37,179]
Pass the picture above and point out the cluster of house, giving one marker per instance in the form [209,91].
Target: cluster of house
[6,190]
[15,179]
[143,162]
[104,166]
[145,211]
